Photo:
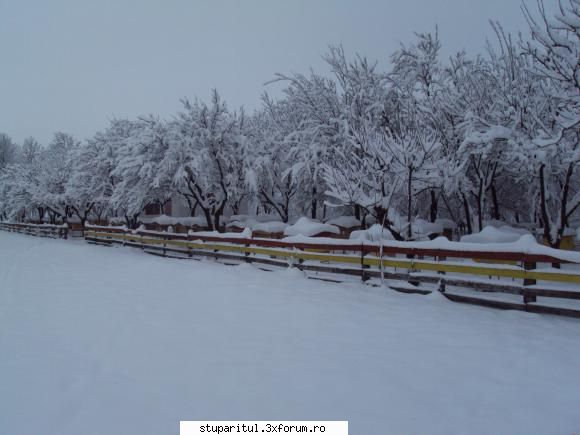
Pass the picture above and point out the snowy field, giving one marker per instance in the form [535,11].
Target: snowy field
[107,341]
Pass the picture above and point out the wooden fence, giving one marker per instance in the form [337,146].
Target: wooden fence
[513,273]
[407,268]
[43,230]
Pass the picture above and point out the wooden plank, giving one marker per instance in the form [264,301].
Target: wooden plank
[409,290]
[542,309]
[158,254]
[484,302]
[269,261]
[554,276]
[318,278]
[90,242]
[551,293]
[327,257]
[96,241]
[328,269]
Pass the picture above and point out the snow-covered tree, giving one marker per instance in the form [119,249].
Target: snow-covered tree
[316,101]
[139,179]
[275,184]
[30,150]
[554,47]
[206,156]
[8,150]
[55,171]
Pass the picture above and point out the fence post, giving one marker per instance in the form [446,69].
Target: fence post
[410,271]
[529,296]
[363,266]
[247,253]
[300,259]
[442,281]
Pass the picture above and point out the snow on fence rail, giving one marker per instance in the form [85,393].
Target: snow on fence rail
[40,230]
[511,268]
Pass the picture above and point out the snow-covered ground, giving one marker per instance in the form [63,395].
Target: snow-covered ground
[106,341]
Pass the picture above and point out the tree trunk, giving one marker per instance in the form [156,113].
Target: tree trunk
[132,221]
[216,221]
[434,207]
[480,208]
[83,221]
[314,203]
[409,203]
[285,212]
[357,211]
[382,219]
[494,203]
[467,213]
[192,209]
[563,223]
[217,215]
[544,211]
[208,219]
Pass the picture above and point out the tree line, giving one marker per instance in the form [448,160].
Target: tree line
[470,138]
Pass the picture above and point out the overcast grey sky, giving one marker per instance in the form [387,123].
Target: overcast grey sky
[72,65]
